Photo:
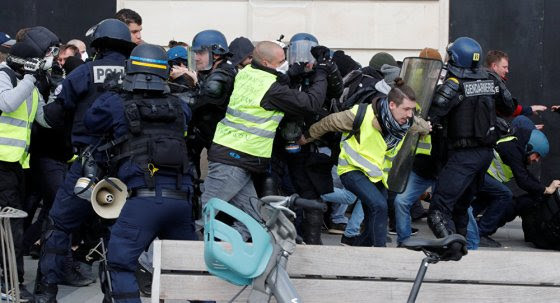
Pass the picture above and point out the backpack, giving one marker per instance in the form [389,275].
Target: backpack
[541,223]
[359,87]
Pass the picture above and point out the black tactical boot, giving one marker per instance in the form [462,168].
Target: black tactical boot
[45,293]
[311,225]
[438,224]
[144,278]
[440,227]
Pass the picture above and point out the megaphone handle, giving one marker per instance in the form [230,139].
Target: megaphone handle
[113,184]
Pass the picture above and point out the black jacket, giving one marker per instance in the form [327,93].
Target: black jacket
[282,98]
[513,154]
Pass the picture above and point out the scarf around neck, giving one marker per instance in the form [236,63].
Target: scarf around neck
[393,132]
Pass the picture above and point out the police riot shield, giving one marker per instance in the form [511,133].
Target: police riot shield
[422,75]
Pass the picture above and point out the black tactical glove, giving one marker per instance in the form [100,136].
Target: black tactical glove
[321,53]
[296,70]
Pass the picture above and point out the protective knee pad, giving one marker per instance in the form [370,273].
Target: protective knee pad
[439,224]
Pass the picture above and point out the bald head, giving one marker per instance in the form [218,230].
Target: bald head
[268,54]
[79,44]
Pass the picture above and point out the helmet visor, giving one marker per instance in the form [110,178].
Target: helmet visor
[300,51]
[201,60]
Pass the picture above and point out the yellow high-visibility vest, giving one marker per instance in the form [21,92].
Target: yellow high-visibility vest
[247,127]
[15,131]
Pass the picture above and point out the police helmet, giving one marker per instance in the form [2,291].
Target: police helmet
[538,143]
[465,52]
[211,40]
[178,54]
[299,49]
[112,34]
[147,69]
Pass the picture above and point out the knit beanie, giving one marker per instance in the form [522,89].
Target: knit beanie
[344,62]
[382,58]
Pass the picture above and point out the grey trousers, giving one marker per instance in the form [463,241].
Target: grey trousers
[234,185]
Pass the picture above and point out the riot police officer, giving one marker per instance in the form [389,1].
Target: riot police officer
[466,103]
[111,40]
[309,170]
[215,84]
[147,125]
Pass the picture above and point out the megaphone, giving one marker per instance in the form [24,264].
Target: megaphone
[108,198]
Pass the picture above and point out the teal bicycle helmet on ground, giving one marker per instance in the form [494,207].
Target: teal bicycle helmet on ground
[226,255]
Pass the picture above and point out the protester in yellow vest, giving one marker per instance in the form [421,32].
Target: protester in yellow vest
[512,155]
[26,64]
[364,156]
[243,139]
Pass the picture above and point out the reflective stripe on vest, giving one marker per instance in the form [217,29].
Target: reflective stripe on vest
[498,169]
[390,155]
[15,131]
[424,146]
[247,127]
[367,156]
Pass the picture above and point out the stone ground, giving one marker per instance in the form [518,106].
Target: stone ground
[511,237]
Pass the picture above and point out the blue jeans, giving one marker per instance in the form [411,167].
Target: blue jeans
[473,237]
[342,198]
[495,197]
[374,202]
[415,187]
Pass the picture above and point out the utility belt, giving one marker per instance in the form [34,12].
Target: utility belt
[163,193]
[465,143]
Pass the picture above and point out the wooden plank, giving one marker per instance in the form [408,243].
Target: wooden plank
[156,275]
[494,266]
[176,287]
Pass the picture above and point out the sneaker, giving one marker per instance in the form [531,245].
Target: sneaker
[86,270]
[35,251]
[420,217]
[486,241]
[413,231]
[24,294]
[72,277]
[347,241]
[337,228]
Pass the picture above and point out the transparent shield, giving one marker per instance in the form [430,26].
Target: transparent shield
[300,51]
[422,76]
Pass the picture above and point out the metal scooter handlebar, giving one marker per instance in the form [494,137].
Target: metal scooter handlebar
[294,201]
[309,204]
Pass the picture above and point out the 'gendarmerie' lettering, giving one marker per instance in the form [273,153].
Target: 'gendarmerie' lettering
[479,88]
[100,72]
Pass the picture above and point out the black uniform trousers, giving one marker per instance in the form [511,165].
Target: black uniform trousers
[459,181]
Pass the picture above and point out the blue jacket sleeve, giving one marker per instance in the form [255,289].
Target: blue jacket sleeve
[74,87]
[99,117]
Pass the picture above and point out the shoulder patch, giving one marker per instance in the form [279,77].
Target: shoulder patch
[479,88]
[100,72]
